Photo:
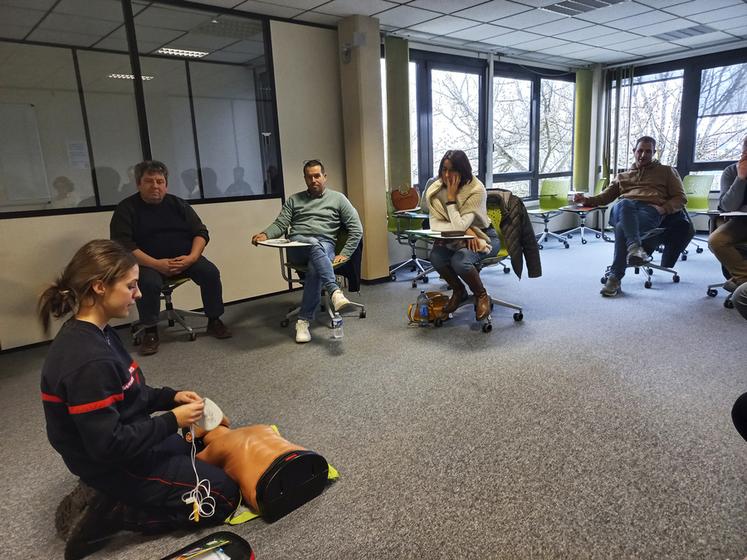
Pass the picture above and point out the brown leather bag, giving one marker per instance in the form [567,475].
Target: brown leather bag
[436,303]
[405,198]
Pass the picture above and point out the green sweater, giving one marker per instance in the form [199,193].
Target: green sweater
[319,217]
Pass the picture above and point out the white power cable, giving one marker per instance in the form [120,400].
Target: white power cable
[199,496]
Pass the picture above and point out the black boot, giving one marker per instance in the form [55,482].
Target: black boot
[458,294]
[482,299]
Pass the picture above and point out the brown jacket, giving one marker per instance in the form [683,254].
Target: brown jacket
[655,184]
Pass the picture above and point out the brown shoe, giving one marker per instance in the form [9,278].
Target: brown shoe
[458,293]
[457,297]
[482,306]
[149,345]
[217,329]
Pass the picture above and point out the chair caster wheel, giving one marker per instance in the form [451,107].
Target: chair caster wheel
[414,284]
[425,279]
[192,337]
[569,235]
[540,246]
[676,279]
[684,257]
[506,270]
[647,284]
[728,304]
[637,270]
[487,327]
[699,250]
[598,235]
[650,271]
[711,292]
[393,277]
[438,322]
[362,315]
[584,242]
[518,316]
[284,323]
[603,279]
[566,244]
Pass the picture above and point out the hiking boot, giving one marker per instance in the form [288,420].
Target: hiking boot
[302,331]
[90,530]
[611,287]
[482,306]
[149,345]
[637,256]
[339,302]
[218,329]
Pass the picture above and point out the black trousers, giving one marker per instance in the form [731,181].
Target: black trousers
[152,488]
[204,273]
[739,415]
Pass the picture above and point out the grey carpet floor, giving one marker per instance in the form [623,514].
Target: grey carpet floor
[595,428]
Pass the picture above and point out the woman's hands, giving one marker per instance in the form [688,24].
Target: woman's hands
[474,243]
[452,186]
[190,409]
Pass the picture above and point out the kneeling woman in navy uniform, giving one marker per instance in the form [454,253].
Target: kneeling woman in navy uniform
[98,411]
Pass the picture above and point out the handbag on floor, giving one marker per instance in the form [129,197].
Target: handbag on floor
[436,303]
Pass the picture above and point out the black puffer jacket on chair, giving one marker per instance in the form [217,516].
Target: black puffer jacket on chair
[518,232]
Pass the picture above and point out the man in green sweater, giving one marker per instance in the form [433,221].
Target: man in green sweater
[315,216]
[648,192]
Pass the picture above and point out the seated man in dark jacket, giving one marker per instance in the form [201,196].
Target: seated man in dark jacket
[167,238]
[648,192]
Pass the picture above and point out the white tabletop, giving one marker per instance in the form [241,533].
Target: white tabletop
[281,242]
[433,234]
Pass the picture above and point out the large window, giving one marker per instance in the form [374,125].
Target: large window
[556,126]
[83,112]
[722,113]
[512,105]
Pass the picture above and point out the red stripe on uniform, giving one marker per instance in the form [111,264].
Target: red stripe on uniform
[51,398]
[95,405]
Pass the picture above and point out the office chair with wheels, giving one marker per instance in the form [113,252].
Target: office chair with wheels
[404,214]
[697,188]
[553,195]
[712,289]
[169,314]
[583,212]
[348,273]
[487,325]
[672,235]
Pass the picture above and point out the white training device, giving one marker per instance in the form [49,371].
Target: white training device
[211,417]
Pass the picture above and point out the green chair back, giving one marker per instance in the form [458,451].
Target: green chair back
[553,194]
[495,215]
[697,188]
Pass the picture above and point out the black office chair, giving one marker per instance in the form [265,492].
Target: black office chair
[672,236]
[712,290]
[169,313]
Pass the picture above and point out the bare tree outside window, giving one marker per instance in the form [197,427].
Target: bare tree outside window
[456,107]
[512,101]
[654,109]
[556,126]
[722,113]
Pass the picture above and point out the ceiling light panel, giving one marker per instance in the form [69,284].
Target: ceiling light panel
[181,53]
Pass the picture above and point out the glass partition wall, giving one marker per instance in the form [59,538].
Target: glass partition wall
[205,105]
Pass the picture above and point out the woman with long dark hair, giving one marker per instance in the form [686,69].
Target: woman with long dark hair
[458,202]
[134,467]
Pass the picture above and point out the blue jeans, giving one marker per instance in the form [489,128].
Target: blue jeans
[462,260]
[630,218]
[318,260]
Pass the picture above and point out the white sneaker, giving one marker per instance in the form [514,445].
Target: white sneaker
[302,331]
[339,301]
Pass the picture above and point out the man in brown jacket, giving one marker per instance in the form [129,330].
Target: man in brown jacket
[647,192]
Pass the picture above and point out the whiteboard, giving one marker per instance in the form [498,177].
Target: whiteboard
[22,169]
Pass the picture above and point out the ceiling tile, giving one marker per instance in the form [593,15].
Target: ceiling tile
[316,17]
[150,34]
[346,8]
[723,13]
[266,9]
[698,6]
[101,9]
[63,37]
[529,18]
[537,3]
[9,31]
[172,18]
[443,25]
[590,32]
[617,38]
[563,50]
[484,31]
[664,27]
[542,43]
[296,4]
[43,5]
[616,11]
[732,23]
[224,56]
[405,16]
[559,26]
[513,38]
[643,42]
[647,19]
[659,4]
[415,35]
[444,6]
[493,10]
[21,17]
[78,24]
[200,42]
